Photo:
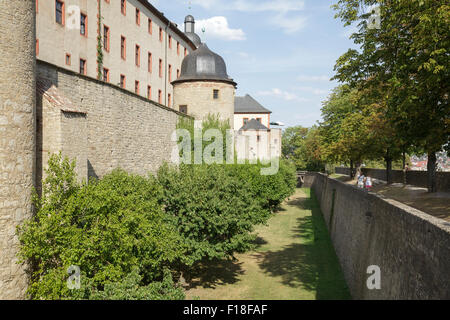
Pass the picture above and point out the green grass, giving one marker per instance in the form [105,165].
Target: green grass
[294,260]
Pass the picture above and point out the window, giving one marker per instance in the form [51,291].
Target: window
[150,27]
[178,48]
[159,96]
[170,42]
[169,99]
[138,55]
[123,47]
[37,47]
[83,25]
[185,52]
[178,73]
[138,17]
[216,94]
[150,59]
[259,120]
[123,80]
[183,109]
[136,87]
[59,12]
[170,73]
[83,66]
[160,68]
[160,34]
[37,6]
[68,59]
[245,121]
[105,75]
[149,92]
[123,7]
[106,41]
[258,138]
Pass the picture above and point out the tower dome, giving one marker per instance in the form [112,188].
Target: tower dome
[203,65]
[189,30]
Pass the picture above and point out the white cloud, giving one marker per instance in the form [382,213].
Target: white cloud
[312,90]
[306,78]
[285,95]
[217,27]
[288,24]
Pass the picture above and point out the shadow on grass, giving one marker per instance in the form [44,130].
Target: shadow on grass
[210,274]
[312,264]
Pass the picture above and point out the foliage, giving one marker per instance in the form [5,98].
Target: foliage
[302,147]
[406,63]
[106,228]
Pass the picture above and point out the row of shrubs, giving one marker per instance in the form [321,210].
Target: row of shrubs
[132,236]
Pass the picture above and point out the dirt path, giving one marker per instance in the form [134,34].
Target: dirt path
[294,260]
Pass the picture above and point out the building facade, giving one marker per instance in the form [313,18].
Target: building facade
[141,49]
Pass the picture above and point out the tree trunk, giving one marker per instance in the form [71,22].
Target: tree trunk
[431,168]
[404,167]
[357,170]
[388,170]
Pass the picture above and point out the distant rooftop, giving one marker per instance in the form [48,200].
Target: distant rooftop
[253,125]
[247,104]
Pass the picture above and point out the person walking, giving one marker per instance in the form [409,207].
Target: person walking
[361,180]
[368,183]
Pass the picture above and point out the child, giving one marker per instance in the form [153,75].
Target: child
[368,183]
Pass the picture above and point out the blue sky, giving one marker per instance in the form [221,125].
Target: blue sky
[281,52]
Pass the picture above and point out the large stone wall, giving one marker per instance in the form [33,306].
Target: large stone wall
[415,178]
[102,125]
[411,248]
[17,136]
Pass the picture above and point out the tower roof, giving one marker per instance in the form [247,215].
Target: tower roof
[247,104]
[203,65]
[254,125]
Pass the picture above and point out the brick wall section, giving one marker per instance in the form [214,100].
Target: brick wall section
[17,136]
[411,248]
[415,178]
[123,130]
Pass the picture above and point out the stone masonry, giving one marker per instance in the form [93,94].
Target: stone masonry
[17,135]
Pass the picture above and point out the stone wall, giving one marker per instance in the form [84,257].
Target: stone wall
[17,136]
[411,248]
[102,125]
[415,178]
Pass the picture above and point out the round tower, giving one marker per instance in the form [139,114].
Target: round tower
[17,136]
[204,86]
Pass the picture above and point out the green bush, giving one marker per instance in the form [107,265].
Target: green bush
[213,211]
[106,228]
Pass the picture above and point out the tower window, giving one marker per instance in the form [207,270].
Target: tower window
[216,94]
[123,7]
[105,75]
[68,59]
[83,24]
[83,66]
[123,47]
[136,87]
[138,16]
[183,109]
[59,11]
[106,38]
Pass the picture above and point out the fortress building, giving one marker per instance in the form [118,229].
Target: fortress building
[141,50]
[105,83]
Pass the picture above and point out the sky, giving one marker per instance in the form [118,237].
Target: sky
[281,52]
